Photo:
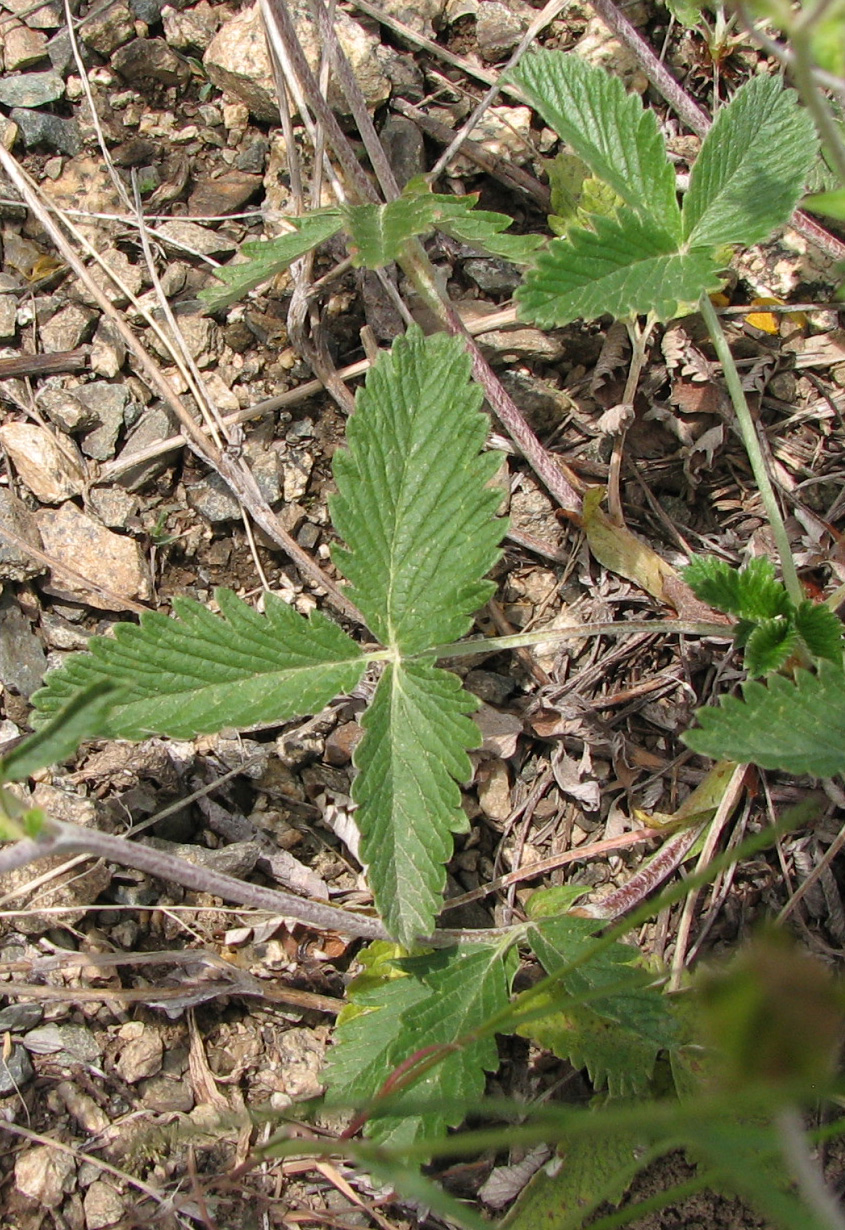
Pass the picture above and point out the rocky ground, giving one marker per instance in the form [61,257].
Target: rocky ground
[143,1024]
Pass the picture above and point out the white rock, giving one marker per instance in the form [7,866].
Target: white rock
[237,60]
[103,1206]
[52,474]
[74,539]
[44,1174]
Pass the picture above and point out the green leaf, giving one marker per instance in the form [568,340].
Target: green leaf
[628,265]
[447,994]
[85,716]
[616,1036]
[413,504]
[200,672]
[378,233]
[482,229]
[268,259]
[751,170]
[769,644]
[576,194]
[611,130]
[796,726]
[751,593]
[831,204]
[686,12]
[409,762]
[820,630]
[586,1171]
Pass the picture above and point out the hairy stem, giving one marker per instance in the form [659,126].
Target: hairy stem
[752,446]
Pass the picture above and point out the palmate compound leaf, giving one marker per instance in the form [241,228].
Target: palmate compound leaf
[627,265]
[265,260]
[414,504]
[409,762]
[447,994]
[795,726]
[752,592]
[201,672]
[752,167]
[616,1036]
[610,129]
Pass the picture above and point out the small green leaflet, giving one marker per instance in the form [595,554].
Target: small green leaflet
[615,1037]
[770,626]
[268,259]
[752,167]
[796,726]
[445,996]
[409,762]
[483,229]
[626,265]
[585,1171]
[85,716]
[201,672]
[831,204]
[611,130]
[378,233]
[413,504]
[752,592]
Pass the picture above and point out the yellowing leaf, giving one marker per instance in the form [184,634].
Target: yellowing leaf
[622,552]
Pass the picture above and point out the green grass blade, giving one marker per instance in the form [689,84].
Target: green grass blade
[610,129]
[410,761]
[201,672]
[752,167]
[414,503]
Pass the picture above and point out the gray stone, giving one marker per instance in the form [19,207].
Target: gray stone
[15,563]
[128,274]
[41,128]
[65,410]
[191,237]
[114,506]
[424,16]
[403,144]
[108,351]
[212,498]
[51,468]
[108,28]
[146,10]
[66,1044]
[46,16]
[497,277]
[157,422]
[59,634]
[8,317]
[238,63]
[96,553]
[31,89]
[108,403]
[16,1018]
[22,657]
[150,59]
[15,1072]
[497,30]
[192,28]
[103,1205]
[23,48]
[252,159]
[224,195]
[68,329]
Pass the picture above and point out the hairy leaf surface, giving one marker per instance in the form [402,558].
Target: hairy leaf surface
[752,592]
[610,129]
[616,1036]
[446,995]
[85,716]
[483,229]
[752,167]
[820,630]
[414,505]
[628,264]
[200,672]
[377,233]
[796,726]
[268,259]
[409,762]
